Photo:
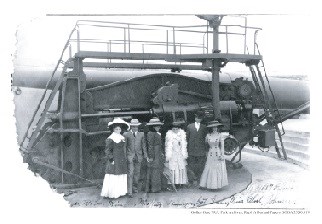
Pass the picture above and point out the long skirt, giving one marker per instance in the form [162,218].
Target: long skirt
[214,175]
[114,186]
[178,174]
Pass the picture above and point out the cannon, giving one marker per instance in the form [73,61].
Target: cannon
[65,144]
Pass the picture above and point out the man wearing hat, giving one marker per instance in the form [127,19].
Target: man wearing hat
[197,151]
[136,151]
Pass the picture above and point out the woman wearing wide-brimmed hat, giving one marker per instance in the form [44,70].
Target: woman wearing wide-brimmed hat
[214,175]
[115,179]
[154,151]
[176,153]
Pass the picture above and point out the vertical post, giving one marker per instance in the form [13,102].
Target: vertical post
[174,41]
[110,49]
[143,51]
[203,44]
[78,40]
[207,36]
[107,50]
[81,171]
[245,36]
[124,40]
[63,90]
[215,45]
[70,51]
[227,40]
[72,156]
[216,68]
[180,53]
[128,37]
[215,88]
[167,42]
[255,39]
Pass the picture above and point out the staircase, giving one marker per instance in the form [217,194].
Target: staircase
[296,144]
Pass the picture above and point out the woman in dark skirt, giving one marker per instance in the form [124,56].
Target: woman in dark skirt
[115,179]
[154,160]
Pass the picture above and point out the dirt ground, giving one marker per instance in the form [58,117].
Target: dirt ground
[191,197]
[275,184]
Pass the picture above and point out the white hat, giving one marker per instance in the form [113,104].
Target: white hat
[119,121]
[154,121]
[134,122]
[214,124]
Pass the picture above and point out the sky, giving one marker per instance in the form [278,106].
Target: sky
[283,40]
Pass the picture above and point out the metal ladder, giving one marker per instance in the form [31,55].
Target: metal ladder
[271,112]
[38,126]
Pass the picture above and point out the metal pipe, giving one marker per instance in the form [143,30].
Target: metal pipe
[37,161]
[296,111]
[116,114]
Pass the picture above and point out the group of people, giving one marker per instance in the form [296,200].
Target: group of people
[191,157]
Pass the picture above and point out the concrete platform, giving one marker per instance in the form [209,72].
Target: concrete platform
[185,198]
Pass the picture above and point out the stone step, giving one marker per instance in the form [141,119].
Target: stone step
[299,134]
[298,158]
[300,140]
[297,155]
[293,146]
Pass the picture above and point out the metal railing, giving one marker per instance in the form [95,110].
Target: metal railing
[173,41]
[128,28]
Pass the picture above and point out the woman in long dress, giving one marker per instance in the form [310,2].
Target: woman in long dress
[214,175]
[154,160]
[115,179]
[176,154]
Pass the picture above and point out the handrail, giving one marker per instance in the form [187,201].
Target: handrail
[198,29]
[47,85]
[164,26]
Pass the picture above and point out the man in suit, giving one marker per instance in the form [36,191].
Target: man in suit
[136,151]
[197,150]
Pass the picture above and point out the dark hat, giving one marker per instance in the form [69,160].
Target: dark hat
[214,123]
[154,122]
[118,122]
[199,114]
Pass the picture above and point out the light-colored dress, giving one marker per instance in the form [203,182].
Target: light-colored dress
[214,175]
[115,179]
[176,155]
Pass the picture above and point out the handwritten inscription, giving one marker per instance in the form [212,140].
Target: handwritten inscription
[262,195]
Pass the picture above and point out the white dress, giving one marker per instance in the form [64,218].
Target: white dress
[214,175]
[114,186]
[176,155]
